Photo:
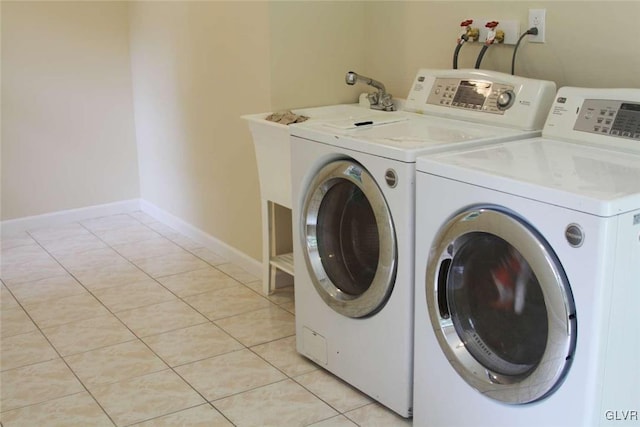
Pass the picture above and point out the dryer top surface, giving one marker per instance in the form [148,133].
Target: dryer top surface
[595,180]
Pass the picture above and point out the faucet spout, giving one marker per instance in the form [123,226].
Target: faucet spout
[380,100]
[351,79]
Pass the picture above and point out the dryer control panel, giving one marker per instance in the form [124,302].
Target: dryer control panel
[601,116]
[615,118]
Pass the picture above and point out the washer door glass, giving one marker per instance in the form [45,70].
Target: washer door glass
[349,239]
[501,306]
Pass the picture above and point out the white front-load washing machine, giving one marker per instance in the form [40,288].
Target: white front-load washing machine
[353,184]
[528,274]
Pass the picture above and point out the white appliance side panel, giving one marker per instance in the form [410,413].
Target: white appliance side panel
[621,386]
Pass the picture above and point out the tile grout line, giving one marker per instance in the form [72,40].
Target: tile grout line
[172,368]
[62,359]
[97,299]
[176,412]
[108,310]
[209,321]
[138,338]
[287,377]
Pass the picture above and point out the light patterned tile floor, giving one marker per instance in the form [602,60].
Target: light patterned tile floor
[121,321]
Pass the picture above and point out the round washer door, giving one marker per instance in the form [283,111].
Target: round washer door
[501,306]
[349,241]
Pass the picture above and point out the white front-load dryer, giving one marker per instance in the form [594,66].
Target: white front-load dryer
[353,184]
[528,274]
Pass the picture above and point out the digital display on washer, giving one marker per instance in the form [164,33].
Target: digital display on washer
[610,117]
[471,94]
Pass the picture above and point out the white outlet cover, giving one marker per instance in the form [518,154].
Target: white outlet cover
[537,18]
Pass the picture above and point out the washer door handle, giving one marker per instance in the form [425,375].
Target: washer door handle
[443,277]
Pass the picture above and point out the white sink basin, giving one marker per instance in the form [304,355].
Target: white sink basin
[273,147]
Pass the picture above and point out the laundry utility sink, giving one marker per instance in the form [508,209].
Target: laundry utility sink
[273,155]
[273,148]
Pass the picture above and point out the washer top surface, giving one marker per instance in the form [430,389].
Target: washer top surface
[403,136]
[575,164]
[444,109]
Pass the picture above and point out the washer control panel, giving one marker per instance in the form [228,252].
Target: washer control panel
[610,117]
[479,95]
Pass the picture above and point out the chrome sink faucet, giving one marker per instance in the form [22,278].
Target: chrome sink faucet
[379,100]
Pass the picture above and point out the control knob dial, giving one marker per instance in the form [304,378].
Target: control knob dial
[506,99]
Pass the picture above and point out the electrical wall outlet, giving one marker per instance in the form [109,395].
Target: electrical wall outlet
[537,20]
[510,27]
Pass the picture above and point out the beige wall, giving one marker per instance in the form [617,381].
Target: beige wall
[67,134]
[313,45]
[67,114]
[197,67]
[589,43]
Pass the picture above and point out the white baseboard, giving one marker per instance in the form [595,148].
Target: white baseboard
[126,206]
[232,254]
[68,216]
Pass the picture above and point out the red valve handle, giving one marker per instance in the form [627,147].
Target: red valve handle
[492,24]
[466,23]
